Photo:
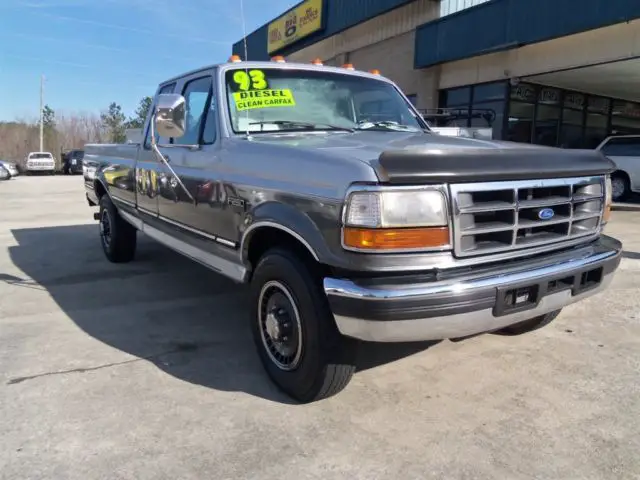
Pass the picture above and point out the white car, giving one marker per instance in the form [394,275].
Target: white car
[624,151]
[11,167]
[40,162]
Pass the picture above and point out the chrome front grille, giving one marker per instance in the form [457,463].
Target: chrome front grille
[502,216]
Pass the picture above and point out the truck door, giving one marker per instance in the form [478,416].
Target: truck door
[148,166]
[194,158]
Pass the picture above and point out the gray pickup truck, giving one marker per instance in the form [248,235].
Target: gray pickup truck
[325,190]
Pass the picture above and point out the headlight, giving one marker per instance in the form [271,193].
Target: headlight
[396,220]
[608,200]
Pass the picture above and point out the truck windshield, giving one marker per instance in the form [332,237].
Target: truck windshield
[40,155]
[277,99]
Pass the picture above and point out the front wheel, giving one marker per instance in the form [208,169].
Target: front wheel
[294,330]
[529,325]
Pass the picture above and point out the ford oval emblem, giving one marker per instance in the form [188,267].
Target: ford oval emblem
[546,214]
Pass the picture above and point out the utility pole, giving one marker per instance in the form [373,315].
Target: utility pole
[41,113]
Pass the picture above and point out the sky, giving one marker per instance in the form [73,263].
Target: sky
[93,52]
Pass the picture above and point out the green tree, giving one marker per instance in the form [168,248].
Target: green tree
[137,121]
[48,118]
[113,121]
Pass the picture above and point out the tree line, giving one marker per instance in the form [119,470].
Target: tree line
[63,131]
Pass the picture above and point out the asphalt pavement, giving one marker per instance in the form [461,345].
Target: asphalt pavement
[147,371]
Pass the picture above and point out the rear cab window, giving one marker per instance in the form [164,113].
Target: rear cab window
[33,156]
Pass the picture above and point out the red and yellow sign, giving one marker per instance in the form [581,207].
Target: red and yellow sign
[294,25]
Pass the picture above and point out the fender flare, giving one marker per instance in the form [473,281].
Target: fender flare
[290,220]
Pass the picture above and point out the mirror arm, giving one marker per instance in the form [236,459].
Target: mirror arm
[156,150]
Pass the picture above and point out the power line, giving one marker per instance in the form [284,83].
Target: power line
[91,45]
[81,65]
[132,29]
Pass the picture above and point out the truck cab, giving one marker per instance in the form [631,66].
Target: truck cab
[325,190]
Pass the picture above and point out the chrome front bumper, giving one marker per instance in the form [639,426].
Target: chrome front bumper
[474,302]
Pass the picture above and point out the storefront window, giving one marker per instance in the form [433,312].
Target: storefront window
[571,130]
[520,122]
[523,92]
[541,114]
[489,92]
[457,97]
[547,117]
[625,118]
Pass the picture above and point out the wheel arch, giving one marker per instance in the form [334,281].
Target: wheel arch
[275,224]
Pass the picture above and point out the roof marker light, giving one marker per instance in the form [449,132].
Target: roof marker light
[278,59]
[348,66]
[375,71]
[317,61]
[235,59]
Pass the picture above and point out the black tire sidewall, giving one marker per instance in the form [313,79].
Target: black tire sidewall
[321,342]
[627,188]
[107,206]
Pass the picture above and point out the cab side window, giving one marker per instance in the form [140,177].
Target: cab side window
[147,142]
[200,122]
[622,147]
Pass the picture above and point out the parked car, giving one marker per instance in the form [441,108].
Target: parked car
[4,173]
[11,167]
[624,151]
[72,162]
[351,226]
[40,162]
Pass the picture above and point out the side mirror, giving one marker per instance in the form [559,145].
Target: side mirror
[170,115]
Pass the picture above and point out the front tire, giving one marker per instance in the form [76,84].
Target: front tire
[294,330]
[118,238]
[529,325]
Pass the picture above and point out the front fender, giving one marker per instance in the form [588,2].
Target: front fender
[292,221]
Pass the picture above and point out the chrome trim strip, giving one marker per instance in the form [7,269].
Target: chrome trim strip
[348,289]
[147,211]
[442,188]
[188,228]
[225,242]
[229,269]
[123,201]
[455,326]
[280,227]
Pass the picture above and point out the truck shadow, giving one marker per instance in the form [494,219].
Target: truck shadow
[162,308]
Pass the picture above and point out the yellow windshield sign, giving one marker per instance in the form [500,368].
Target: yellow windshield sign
[294,25]
[263,99]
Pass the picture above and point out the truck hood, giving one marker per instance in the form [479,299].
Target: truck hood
[399,157]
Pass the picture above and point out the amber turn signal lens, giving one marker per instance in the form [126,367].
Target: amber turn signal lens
[395,238]
[606,215]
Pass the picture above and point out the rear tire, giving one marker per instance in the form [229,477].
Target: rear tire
[294,330]
[529,325]
[118,238]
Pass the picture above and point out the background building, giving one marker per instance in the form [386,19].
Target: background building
[553,72]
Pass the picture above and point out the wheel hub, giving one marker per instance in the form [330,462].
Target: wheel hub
[280,325]
[617,187]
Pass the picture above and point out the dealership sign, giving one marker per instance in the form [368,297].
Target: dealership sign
[294,25]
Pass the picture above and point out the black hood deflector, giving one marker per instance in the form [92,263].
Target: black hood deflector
[484,164]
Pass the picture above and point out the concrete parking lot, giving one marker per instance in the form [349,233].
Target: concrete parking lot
[147,371]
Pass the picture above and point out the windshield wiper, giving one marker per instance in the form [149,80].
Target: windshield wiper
[302,125]
[394,126]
